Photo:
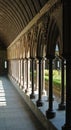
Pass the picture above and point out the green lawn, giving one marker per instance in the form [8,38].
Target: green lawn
[56,77]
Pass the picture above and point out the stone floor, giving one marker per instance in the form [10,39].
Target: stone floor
[14,113]
[59,120]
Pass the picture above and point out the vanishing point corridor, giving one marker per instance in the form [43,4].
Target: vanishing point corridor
[14,113]
[35,55]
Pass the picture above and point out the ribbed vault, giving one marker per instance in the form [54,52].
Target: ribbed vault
[15,15]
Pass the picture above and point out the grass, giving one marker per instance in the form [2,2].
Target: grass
[56,77]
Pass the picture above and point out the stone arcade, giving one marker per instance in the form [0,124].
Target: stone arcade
[29,32]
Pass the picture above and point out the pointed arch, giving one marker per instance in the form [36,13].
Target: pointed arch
[33,44]
[41,43]
[53,37]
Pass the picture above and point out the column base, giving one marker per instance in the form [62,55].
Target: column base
[66,127]
[32,96]
[22,87]
[53,98]
[39,103]
[17,81]
[61,106]
[26,90]
[19,84]
[50,114]
[43,92]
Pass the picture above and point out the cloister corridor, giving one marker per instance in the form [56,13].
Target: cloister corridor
[14,113]
[35,65]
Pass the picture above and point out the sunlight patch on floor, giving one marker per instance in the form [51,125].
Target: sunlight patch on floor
[2,95]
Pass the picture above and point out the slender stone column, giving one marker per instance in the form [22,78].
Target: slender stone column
[26,90]
[67,55]
[24,77]
[11,68]
[22,73]
[28,74]
[25,74]
[67,125]
[19,72]
[62,104]
[43,79]
[37,75]
[14,62]
[16,70]
[39,101]
[32,77]
[50,113]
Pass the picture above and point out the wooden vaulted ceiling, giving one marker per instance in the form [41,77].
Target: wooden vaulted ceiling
[14,16]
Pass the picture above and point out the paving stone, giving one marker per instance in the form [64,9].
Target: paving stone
[14,113]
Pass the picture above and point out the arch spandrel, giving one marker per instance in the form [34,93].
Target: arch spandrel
[23,46]
[33,42]
[26,45]
[42,38]
[18,42]
[53,36]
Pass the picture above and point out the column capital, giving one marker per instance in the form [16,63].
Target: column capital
[67,56]
[26,58]
[50,57]
[32,58]
[39,58]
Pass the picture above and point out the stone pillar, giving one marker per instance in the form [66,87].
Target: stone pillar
[11,68]
[50,113]
[25,74]
[28,74]
[16,70]
[32,78]
[24,78]
[26,90]
[19,72]
[67,125]
[39,101]
[14,62]
[37,75]
[43,79]
[62,104]
[67,55]
[22,73]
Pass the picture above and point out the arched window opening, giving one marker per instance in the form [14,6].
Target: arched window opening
[57,74]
